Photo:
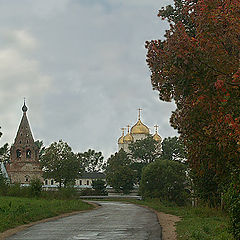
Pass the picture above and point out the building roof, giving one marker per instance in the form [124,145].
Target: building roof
[24,134]
[139,128]
[93,175]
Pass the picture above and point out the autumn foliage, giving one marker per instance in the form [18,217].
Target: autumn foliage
[198,67]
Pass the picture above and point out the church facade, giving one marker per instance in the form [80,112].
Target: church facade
[24,162]
[138,131]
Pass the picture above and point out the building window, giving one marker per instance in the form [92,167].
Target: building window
[51,181]
[46,182]
[18,152]
[28,153]
[87,182]
[80,182]
[27,178]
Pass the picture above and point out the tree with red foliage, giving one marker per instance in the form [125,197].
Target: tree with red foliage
[197,66]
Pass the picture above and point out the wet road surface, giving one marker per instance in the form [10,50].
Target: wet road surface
[113,221]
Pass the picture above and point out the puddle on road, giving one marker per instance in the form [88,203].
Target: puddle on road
[91,235]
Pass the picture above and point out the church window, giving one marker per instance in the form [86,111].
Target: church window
[27,178]
[18,152]
[46,182]
[51,181]
[20,142]
[80,182]
[28,153]
[87,182]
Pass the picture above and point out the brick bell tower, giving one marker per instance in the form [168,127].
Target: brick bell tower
[24,154]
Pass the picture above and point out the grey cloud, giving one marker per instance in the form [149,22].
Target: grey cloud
[85,73]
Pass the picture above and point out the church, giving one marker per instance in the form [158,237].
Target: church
[24,162]
[138,131]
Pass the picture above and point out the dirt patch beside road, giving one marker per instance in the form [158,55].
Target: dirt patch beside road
[167,222]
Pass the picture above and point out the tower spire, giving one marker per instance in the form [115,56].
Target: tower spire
[139,113]
[156,128]
[128,126]
[123,130]
[24,108]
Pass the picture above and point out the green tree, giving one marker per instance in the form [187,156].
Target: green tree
[119,173]
[5,153]
[146,150]
[99,187]
[173,149]
[164,179]
[40,147]
[143,152]
[92,161]
[60,163]
[206,187]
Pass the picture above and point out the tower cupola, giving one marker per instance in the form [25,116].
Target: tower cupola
[139,127]
[156,137]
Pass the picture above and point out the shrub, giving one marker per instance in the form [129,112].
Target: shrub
[3,185]
[66,193]
[36,187]
[15,190]
[87,192]
[232,198]
[99,187]
[164,179]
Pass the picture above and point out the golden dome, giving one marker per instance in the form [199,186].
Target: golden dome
[121,139]
[139,128]
[128,137]
[157,138]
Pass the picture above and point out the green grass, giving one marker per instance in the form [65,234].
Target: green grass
[198,223]
[15,211]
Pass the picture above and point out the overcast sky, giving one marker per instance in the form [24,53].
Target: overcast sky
[81,64]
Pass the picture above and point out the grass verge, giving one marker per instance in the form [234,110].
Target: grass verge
[15,211]
[198,223]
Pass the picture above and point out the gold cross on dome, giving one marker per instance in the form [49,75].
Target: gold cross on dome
[123,129]
[128,126]
[156,126]
[139,113]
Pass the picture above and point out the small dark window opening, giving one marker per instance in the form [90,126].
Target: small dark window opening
[80,182]
[87,182]
[26,178]
[51,182]
[20,142]
[18,152]
[46,182]
[28,153]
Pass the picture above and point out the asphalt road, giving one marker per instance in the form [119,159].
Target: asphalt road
[113,221]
